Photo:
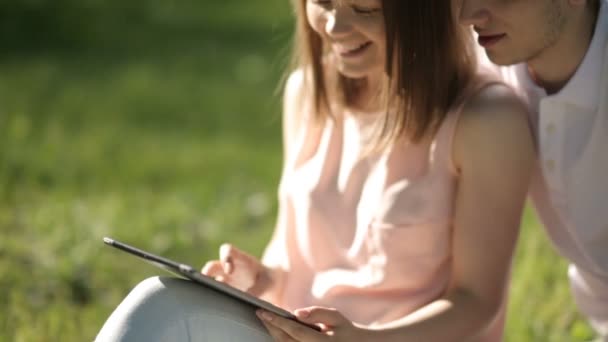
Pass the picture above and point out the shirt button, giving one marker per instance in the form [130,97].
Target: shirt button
[551,128]
[550,164]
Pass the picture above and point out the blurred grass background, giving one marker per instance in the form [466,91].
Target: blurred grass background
[158,123]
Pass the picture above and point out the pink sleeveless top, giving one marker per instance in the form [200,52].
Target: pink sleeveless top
[367,234]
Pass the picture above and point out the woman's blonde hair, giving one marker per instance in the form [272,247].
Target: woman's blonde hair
[429,63]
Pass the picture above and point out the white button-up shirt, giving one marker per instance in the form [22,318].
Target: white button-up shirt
[571,127]
[570,186]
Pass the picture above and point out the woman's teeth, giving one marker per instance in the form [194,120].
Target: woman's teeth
[351,49]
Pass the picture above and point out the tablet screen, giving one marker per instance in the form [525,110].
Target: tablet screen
[188,272]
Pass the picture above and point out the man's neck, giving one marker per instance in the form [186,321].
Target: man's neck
[555,66]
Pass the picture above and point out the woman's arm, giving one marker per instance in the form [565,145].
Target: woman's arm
[264,278]
[275,255]
[494,153]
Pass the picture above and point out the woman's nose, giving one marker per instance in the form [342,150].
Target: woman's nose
[338,23]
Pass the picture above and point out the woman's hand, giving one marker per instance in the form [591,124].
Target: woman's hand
[334,326]
[241,270]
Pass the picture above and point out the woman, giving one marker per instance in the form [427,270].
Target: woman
[396,221]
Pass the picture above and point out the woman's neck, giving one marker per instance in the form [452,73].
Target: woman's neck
[368,99]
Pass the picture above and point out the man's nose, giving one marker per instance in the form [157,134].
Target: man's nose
[338,23]
[473,13]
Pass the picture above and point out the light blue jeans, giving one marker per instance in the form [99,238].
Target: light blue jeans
[177,310]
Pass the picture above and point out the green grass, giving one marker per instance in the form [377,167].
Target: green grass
[158,123]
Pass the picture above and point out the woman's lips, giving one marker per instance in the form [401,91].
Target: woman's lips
[353,52]
[489,40]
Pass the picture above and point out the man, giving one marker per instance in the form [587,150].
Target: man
[556,54]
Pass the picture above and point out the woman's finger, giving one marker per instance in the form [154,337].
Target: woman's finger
[295,330]
[213,269]
[277,334]
[227,252]
[327,316]
[237,268]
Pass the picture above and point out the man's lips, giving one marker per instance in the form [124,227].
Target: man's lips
[489,40]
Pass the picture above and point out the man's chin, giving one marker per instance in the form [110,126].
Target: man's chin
[502,59]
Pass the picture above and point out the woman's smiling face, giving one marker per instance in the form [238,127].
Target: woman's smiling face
[354,32]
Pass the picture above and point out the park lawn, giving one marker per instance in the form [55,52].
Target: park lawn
[166,133]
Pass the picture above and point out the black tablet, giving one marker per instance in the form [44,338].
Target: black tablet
[188,272]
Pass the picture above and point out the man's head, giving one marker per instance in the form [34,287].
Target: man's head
[515,31]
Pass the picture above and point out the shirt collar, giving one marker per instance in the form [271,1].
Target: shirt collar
[583,88]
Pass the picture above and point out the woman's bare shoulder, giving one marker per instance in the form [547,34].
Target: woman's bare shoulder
[494,107]
[493,120]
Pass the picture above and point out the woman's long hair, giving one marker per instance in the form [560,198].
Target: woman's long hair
[429,63]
